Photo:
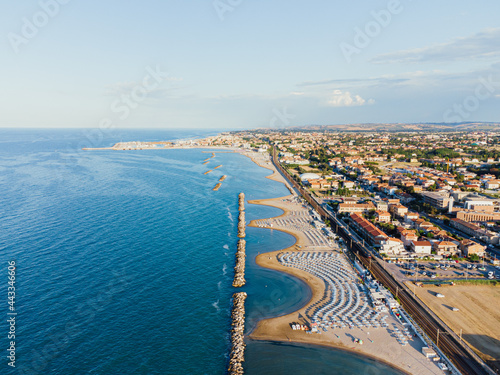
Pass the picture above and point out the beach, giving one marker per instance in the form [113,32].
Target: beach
[378,343]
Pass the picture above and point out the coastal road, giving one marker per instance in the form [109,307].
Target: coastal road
[453,349]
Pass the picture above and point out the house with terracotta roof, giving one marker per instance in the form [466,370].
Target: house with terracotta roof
[469,247]
[445,248]
[398,210]
[411,216]
[408,236]
[383,216]
[492,184]
[367,230]
[392,246]
[421,247]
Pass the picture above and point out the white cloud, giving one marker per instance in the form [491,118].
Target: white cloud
[477,46]
[346,99]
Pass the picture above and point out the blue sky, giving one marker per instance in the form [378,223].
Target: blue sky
[247,63]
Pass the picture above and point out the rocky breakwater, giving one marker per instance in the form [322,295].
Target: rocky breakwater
[237,337]
[239,268]
[241,217]
[241,201]
[241,224]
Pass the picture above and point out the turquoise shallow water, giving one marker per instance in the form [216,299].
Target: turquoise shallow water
[125,259]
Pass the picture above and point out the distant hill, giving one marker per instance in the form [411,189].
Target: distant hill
[402,127]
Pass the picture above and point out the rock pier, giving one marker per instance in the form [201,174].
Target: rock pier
[241,217]
[237,337]
[239,268]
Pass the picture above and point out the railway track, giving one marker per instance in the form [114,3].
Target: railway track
[454,350]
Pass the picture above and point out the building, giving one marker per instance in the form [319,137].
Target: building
[349,184]
[368,231]
[492,184]
[421,247]
[475,231]
[408,236]
[357,207]
[469,247]
[477,203]
[398,210]
[383,216]
[392,246]
[445,248]
[309,176]
[411,216]
[437,200]
[458,195]
[475,216]
[382,205]
[429,353]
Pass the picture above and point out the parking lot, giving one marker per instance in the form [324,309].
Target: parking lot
[449,270]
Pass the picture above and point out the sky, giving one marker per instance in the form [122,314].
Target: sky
[243,64]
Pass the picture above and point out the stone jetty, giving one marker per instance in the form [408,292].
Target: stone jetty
[241,217]
[241,199]
[237,337]
[241,225]
[239,268]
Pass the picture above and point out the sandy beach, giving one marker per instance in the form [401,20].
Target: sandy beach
[378,343]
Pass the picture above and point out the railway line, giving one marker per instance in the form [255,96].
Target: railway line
[452,348]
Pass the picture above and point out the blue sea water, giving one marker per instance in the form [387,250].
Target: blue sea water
[124,259]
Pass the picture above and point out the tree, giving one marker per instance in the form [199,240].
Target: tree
[474,257]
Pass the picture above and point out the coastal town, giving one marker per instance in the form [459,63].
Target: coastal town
[409,195]
[389,225]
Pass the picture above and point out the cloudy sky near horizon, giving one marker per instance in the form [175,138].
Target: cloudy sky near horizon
[247,63]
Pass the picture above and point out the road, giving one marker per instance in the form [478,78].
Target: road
[453,349]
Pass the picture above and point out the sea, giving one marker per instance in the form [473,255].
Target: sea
[124,259]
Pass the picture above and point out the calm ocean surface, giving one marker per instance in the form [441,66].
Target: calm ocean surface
[124,259]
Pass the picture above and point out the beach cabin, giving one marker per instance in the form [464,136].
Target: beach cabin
[428,352]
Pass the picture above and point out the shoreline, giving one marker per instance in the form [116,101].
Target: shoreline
[339,348]
[268,260]
[277,329]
